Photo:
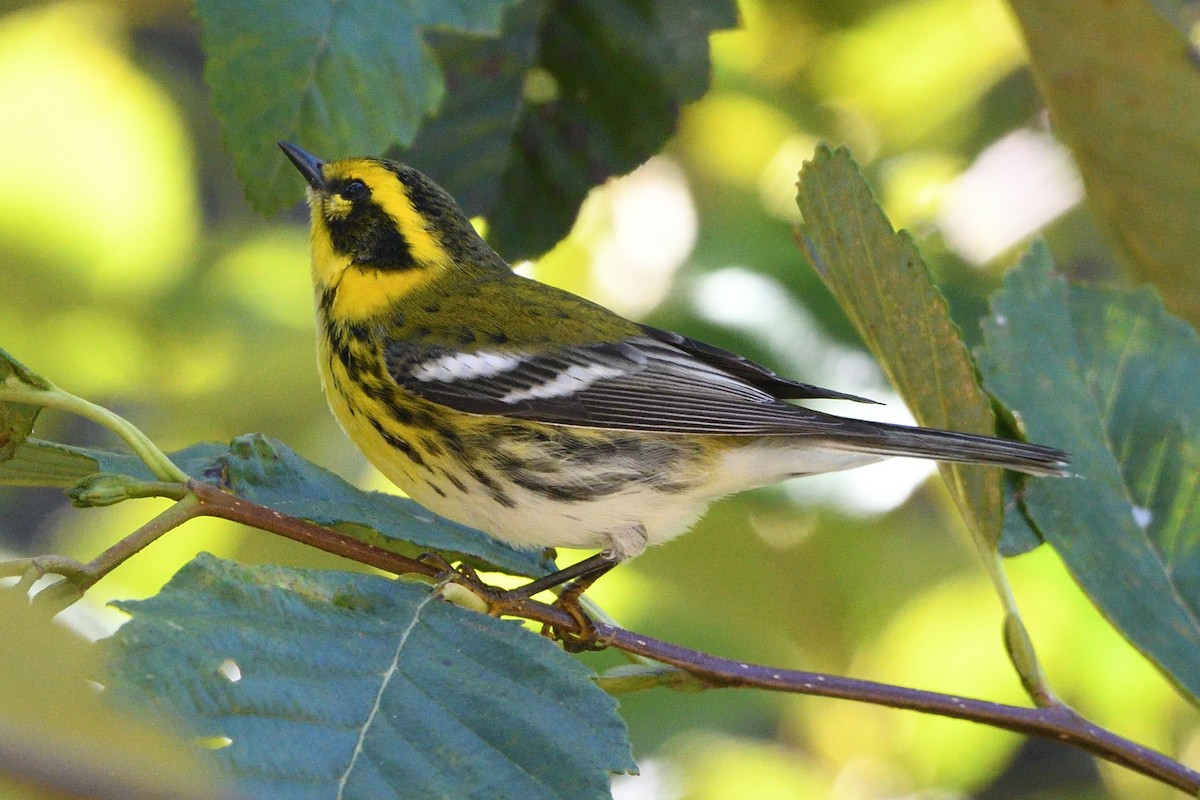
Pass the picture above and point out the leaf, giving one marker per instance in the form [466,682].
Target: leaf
[1111,377]
[468,144]
[40,463]
[1018,535]
[64,739]
[267,472]
[339,78]
[883,285]
[611,77]
[363,687]
[360,78]
[1123,88]
[16,419]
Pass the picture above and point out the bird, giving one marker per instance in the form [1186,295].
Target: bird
[539,417]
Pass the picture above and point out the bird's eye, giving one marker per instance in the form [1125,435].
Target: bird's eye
[354,190]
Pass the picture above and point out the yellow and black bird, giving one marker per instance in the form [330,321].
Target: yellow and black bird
[539,417]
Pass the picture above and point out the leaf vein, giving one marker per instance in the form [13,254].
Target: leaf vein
[393,668]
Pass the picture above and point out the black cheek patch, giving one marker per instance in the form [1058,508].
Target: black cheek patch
[369,236]
[385,249]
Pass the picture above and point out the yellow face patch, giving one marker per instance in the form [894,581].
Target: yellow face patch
[334,206]
[365,291]
[390,194]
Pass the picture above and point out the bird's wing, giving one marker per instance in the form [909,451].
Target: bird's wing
[749,371]
[644,383]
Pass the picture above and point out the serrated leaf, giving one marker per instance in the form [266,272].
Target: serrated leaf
[271,474]
[1108,375]
[356,686]
[468,144]
[1123,88]
[339,78]
[882,284]
[17,419]
[616,72]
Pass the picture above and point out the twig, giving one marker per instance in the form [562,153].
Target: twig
[215,502]
[1058,722]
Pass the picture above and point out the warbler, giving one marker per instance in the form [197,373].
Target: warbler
[541,418]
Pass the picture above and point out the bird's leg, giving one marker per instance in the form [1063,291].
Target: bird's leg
[575,580]
[578,578]
[568,601]
[593,566]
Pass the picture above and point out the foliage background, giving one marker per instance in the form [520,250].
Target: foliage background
[136,275]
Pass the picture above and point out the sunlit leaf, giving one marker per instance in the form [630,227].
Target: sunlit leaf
[1123,87]
[334,684]
[883,285]
[40,463]
[339,79]
[1109,376]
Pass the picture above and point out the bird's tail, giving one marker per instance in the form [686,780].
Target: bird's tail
[963,448]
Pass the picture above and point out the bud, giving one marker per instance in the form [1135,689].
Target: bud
[104,489]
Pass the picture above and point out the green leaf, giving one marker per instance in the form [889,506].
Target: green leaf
[363,687]
[468,144]
[524,149]
[1109,376]
[1123,88]
[268,472]
[338,78]
[16,419]
[1018,535]
[883,285]
[40,463]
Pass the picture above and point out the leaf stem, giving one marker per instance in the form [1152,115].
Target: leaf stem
[1016,638]
[154,458]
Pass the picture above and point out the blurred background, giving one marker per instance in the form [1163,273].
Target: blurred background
[133,273]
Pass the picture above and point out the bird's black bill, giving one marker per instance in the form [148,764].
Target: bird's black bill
[308,164]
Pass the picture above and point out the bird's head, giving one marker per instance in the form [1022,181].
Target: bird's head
[380,228]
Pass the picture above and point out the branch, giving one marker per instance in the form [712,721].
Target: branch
[215,502]
[1057,722]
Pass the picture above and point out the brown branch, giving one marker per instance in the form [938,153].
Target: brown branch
[1058,722]
[215,502]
